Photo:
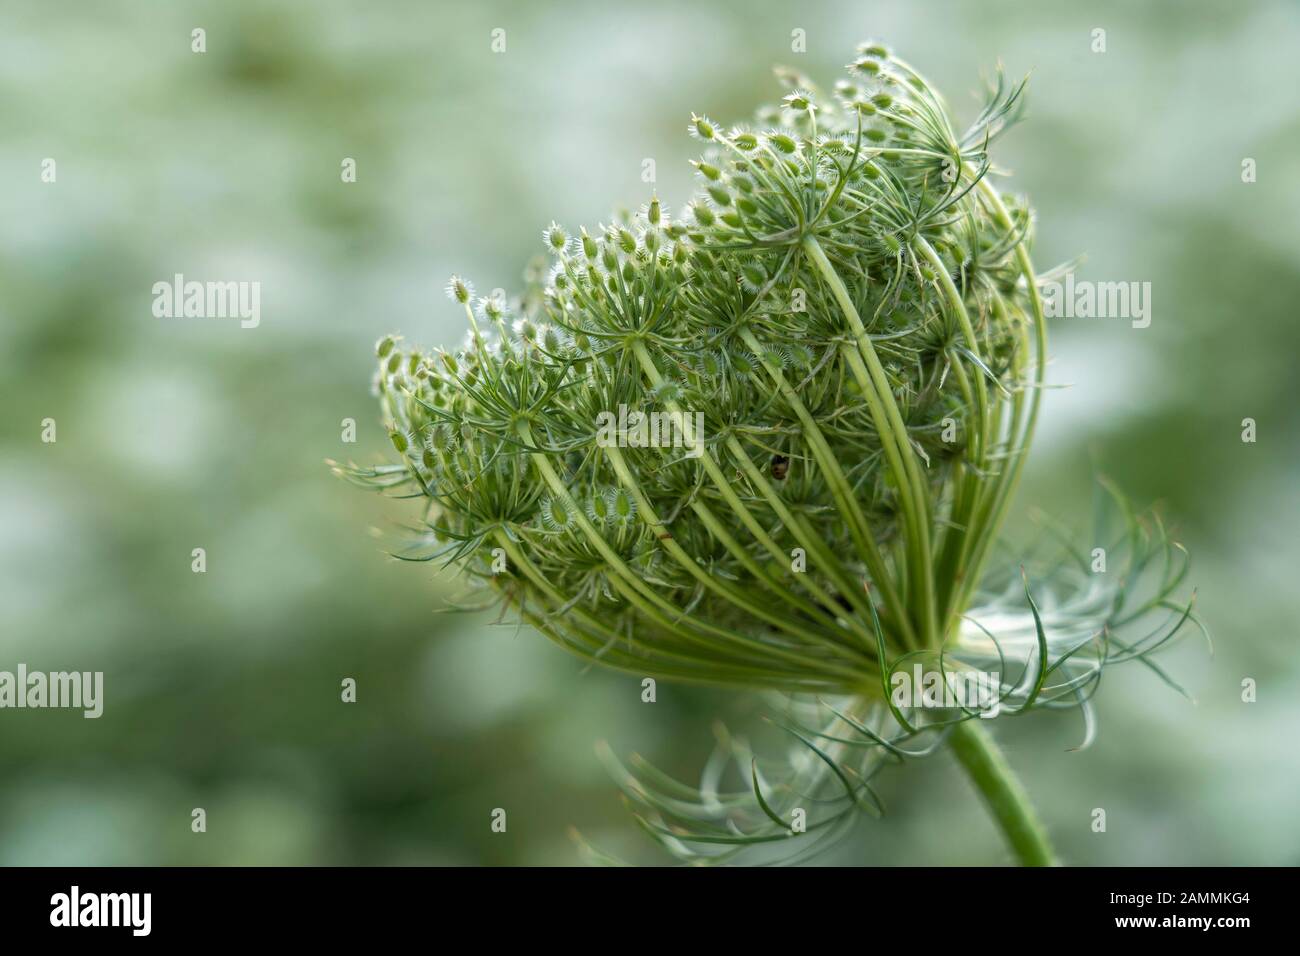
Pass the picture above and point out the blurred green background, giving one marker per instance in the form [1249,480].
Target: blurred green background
[222,689]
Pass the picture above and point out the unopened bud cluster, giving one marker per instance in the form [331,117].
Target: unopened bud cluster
[846,301]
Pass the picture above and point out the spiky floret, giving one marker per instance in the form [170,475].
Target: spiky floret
[847,298]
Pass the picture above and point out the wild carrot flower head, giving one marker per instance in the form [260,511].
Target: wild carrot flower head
[769,442]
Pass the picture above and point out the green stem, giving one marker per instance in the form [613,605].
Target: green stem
[893,437]
[1002,792]
[841,490]
[729,495]
[1018,445]
[719,586]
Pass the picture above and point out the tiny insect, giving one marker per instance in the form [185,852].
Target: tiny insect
[780,465]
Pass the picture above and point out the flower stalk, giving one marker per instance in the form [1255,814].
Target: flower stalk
[1002,793]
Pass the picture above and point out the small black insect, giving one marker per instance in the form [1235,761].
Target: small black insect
[780,465]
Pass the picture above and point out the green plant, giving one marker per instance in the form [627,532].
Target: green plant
[850,311]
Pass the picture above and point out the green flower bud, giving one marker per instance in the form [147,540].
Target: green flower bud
[555,238]
[799,100]
[622,507]
[782,143]
[702,128]
[458,290]
[555,514]
[707,171]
